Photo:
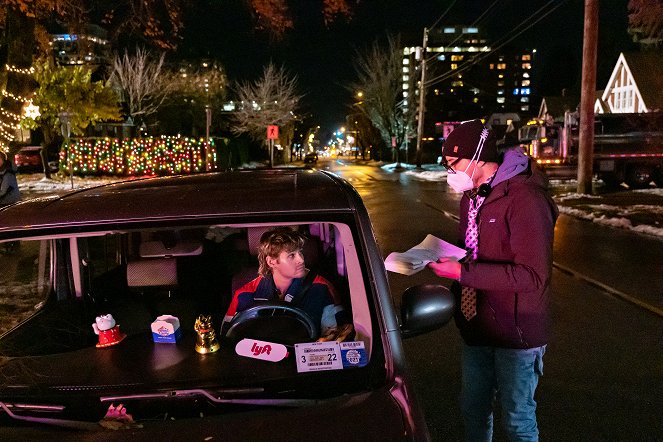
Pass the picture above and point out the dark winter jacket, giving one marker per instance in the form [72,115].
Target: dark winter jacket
[514,264]
[9,192]
[320,299]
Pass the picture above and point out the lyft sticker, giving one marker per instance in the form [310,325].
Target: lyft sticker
[267,351]
[316,356]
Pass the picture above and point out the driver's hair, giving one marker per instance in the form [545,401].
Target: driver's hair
[273,242]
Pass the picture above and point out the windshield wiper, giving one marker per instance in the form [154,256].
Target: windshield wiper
[216,397]
[78,425]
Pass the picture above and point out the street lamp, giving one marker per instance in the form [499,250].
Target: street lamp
[65,127]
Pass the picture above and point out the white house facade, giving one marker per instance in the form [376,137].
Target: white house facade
[635,85]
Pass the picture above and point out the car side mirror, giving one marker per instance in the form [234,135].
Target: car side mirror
[425,308]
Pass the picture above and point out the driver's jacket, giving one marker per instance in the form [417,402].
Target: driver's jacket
[320,301]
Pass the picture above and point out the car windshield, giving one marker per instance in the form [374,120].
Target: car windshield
[139,313]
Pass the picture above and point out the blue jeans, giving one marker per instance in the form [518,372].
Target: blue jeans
[512,375]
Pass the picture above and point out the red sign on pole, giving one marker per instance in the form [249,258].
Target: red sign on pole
[272,132]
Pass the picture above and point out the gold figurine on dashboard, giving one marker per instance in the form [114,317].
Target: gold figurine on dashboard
[206,340]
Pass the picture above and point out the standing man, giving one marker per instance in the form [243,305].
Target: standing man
[9,192]
[502,287]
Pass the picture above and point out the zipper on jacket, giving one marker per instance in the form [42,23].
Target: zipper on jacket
[515,319]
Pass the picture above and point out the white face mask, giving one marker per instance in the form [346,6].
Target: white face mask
[461,181]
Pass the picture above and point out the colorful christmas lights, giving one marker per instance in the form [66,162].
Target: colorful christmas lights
[137,157]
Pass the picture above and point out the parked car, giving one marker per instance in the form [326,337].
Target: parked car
[311,158]
[94,271]
[28,158]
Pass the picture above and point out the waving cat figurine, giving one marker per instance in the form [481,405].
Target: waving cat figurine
[109,332]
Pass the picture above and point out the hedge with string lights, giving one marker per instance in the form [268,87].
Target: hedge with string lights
[137,156]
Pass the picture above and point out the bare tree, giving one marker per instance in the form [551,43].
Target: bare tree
[270,100]
[646,22]
[143,81]
[379,72]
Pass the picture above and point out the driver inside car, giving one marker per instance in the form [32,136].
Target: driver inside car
[282,276]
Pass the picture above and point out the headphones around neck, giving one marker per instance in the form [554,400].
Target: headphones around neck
[484,190]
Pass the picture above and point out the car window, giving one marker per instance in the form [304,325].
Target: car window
[156,286]
[24,280]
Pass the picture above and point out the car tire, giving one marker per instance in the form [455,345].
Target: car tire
[639,176]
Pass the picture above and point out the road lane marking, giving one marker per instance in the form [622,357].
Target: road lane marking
[610,290]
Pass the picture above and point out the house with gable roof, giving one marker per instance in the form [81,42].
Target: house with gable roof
[553,108]
[635,86]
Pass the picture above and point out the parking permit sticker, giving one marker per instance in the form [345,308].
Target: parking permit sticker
[315,356]
[353,354]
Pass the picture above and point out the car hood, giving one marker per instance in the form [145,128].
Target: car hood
[372,415]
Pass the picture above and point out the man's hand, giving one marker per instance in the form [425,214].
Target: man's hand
[446,268]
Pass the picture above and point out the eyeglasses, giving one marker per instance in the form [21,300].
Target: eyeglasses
[449,166]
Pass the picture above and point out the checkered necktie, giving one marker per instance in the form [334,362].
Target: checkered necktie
[468,299]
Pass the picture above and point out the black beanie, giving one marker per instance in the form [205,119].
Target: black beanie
[463,142]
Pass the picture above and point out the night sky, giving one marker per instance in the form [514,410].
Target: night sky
[322,57]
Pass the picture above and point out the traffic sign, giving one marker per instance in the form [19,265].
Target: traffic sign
[272,132]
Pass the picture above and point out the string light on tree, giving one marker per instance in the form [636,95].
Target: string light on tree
[25,71]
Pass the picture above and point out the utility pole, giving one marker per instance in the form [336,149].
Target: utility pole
[422,98]
[587,97]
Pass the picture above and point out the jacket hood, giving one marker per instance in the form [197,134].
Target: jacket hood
[514,163]
[9,167]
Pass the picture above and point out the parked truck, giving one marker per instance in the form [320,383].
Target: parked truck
[628,148]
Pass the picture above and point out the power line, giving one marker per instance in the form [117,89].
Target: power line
[509,38]
[474,23]
[443,14]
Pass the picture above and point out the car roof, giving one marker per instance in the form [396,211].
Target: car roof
[243,193]
[30,149]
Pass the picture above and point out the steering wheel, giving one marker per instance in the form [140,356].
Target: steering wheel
[274,322]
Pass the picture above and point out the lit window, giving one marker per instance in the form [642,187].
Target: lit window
[526,57]
[515,91]
[475,100]
[524,108]
[405,94]
[492,66]
[454,65]
[500,92]
[470,30]
[437,92]
[524,91]
[456,58]
[500,99]
[441,57]
[524,83]
[407,78]
[457,84]
[525,74]
[500,83]
[527,65]
[500,76]
[406,61]
[524,99]
[406,70]
[501,66]
[406,86]
[449,30]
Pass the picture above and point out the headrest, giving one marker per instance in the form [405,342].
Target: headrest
[152,272]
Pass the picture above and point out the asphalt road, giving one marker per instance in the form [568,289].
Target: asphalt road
[603,374]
